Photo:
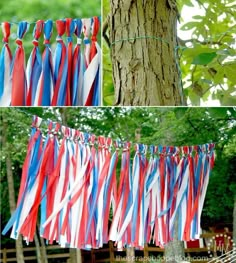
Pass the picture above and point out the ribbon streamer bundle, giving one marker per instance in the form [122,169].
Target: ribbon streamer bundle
[70,77]
[73,182]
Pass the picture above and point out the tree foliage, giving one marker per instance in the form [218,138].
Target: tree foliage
[207,56]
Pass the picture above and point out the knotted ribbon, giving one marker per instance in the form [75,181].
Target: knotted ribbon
[60,73]
[19,83]
[5,67]
[93,97]
[34,66]
[70,28]
[46,84]
[77,67]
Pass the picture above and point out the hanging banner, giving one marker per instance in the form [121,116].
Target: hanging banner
[68,75]
[71,177]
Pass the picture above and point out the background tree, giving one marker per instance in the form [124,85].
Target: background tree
[10,183]
[207,55]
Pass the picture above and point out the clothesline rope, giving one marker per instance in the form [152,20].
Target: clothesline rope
[33,23]
[209,38]
[119,143]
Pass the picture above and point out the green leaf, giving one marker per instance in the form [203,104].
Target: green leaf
[219,76]
[230,71]
[207,81]
[188,3]
[194,98]
[204,58]
[198,17]
[189,25]
[228,101]
[108,100]
[224,52]
[218,112]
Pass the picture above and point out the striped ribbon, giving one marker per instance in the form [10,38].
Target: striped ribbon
[60,73]
[87,23]
[34,66]
[5,67]
[71,177]
[93,69]
[77,69]
[46,84]
[19,85]
[70,28]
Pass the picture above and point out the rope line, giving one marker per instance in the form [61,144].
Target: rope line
[33,23]
[46,121]
[167,42]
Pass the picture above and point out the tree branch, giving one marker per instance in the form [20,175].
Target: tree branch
[191,124]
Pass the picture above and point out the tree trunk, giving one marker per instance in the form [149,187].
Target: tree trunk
[234,221]
[78,256]
[40,248]
[37,245]
[174,250]
[72,256]
[43,251]
[145,70]
[130,253]
[11,192]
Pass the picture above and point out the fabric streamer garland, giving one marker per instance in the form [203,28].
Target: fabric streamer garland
[73,181]
[73,78]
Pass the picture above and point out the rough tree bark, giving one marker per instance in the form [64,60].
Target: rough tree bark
[40,248]
[11,191]
[145,72]
[174,250]
[38,252]
[130,254]
[43,251]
